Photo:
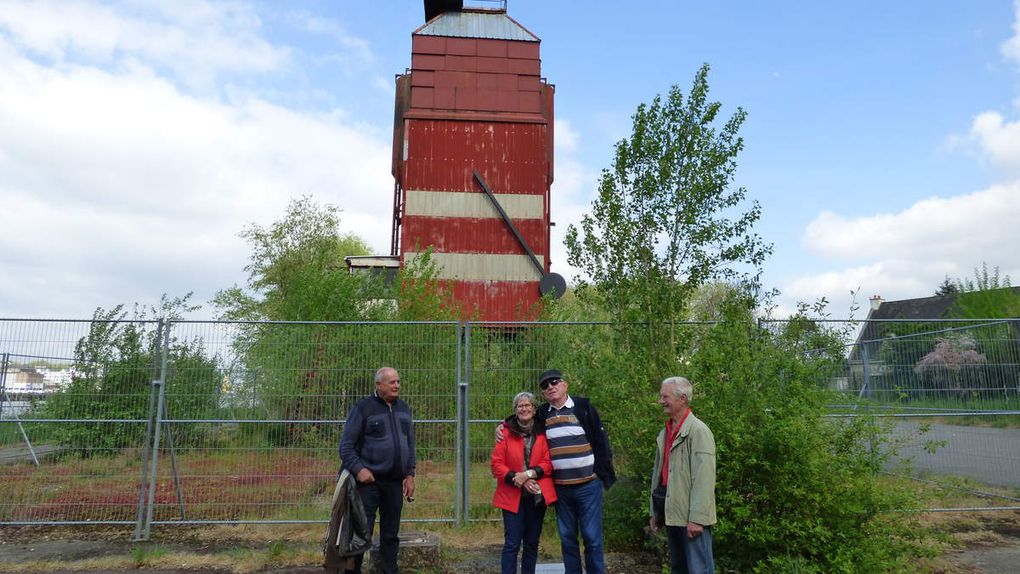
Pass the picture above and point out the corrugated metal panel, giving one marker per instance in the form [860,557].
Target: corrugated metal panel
[482,266]
[499,300]
[462,235]
[474,205]
[480,24]
[441,154]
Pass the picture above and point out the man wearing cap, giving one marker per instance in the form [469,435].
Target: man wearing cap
[582,466]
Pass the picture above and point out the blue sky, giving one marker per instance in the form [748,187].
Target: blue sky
[138,138]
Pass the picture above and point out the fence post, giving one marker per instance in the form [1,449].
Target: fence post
[866,368]
[458,511]
[154,474]
[3,382]
[143,484]
[464,424]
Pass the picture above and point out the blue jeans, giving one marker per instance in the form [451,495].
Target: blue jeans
[525,526]
[579,508]
[688,556]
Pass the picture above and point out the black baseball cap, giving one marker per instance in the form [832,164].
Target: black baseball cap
[549,375]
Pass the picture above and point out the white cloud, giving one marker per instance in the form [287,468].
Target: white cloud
[570,195]
[195,39]
[907,254]
[1011,47]
[118,185]
[998,140]
[977,223]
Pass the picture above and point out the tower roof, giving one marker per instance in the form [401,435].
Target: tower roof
[490,24]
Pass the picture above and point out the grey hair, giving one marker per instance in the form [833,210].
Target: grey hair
[681,387]
[525,395]
[379,373]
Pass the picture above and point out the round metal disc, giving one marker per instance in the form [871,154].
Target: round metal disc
[553,283]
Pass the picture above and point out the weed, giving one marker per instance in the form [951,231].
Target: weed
[145,555]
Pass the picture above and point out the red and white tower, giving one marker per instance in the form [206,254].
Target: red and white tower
[473,159]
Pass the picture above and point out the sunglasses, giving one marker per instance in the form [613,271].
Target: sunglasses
[548,383]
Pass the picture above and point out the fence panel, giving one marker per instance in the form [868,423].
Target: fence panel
[502,360]
[245,417]
[253,412]
[951,388]
[74,406]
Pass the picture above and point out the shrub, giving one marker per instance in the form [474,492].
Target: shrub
[796,491]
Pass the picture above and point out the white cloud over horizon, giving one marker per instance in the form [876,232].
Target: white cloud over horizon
[119,184]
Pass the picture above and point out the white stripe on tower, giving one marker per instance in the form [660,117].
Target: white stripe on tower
[472,204]
[482,266]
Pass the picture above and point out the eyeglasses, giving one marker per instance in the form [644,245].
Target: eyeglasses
[548,383]
[525,406]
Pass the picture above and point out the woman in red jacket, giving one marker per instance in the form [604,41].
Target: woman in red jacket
[523,491]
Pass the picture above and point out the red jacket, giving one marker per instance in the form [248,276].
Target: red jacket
[508,456]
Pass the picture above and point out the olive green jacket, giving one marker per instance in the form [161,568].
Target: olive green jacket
[690,488]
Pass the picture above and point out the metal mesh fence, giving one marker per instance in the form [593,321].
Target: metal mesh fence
[253,416]
[245,418]
[952,388]
[501,361]
[78,392]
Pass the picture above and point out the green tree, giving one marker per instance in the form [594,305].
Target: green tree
[794,487]
[988,296]
[947,287]
[114,365]
[666,219]
[297,273]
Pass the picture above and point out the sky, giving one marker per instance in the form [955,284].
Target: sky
[138,139]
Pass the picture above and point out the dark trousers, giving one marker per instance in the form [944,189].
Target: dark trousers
[688,556]
[385,495]
[523,526]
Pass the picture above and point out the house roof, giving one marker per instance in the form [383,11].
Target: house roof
[933,307]
[919,309]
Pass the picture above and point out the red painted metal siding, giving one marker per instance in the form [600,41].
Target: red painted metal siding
[498,300]
[473,74]
[441,155]
[476,104]
[473,235]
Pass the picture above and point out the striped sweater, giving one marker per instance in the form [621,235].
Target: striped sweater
[572,457]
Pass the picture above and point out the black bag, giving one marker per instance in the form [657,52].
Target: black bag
[659,505]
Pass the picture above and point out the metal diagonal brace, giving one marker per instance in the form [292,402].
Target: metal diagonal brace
[509,223]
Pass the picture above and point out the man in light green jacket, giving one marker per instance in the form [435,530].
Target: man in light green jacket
[685,470]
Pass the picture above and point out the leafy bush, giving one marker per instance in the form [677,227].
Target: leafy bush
[796,491]
[114,366]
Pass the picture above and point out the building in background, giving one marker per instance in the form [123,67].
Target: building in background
[473,160]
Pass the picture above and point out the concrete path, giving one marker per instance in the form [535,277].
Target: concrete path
[1002,560]
[986,455]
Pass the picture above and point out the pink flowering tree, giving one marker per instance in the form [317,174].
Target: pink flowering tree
[952,366]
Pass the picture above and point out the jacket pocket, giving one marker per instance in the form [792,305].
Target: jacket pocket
[375,429]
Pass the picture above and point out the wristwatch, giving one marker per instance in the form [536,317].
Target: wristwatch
[530,473]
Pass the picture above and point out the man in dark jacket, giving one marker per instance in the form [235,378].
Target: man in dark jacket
[377,447]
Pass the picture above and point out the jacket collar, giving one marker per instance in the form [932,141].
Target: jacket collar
[568,404]
[685,429]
